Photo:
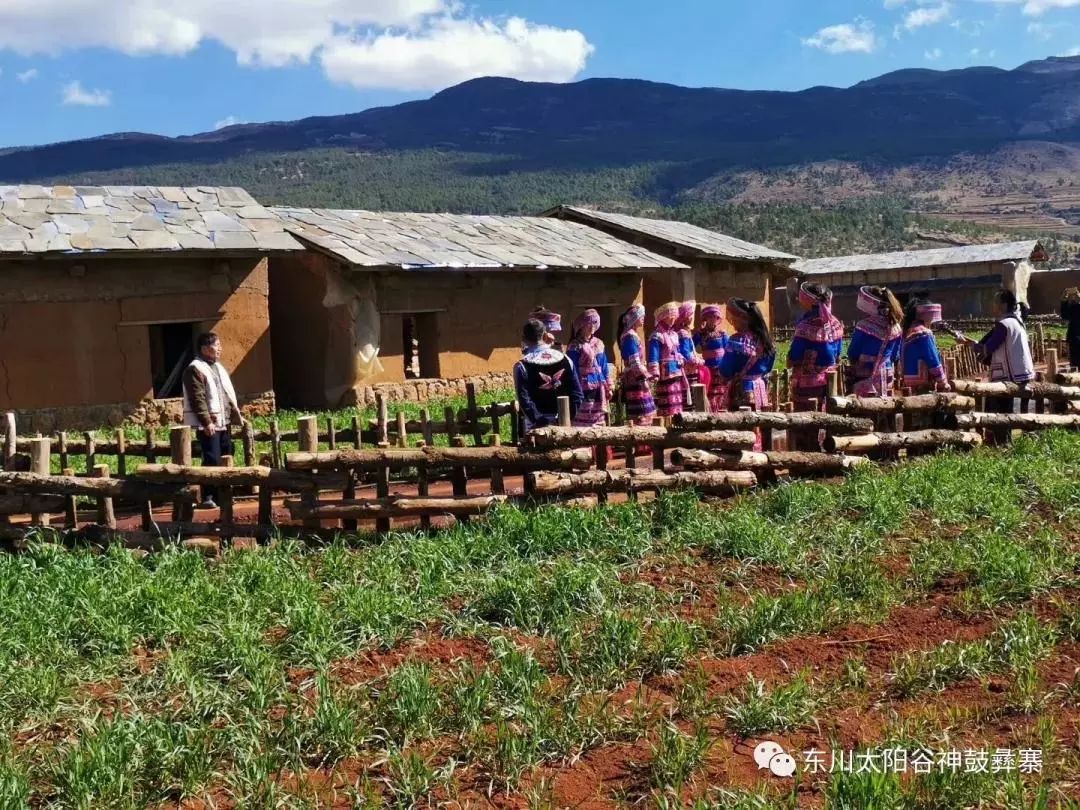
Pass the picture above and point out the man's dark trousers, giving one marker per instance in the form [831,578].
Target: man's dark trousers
[213,448]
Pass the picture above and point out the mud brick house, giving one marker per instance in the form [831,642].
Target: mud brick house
[389,297]
[962,279]
[717,266]
[102,291]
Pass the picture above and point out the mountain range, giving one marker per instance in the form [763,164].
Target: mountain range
[974,139]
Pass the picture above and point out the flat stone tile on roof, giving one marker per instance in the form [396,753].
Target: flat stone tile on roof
[430,241]
[707,243]
[909,259]
[101,219]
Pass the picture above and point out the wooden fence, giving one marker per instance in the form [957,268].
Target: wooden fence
[321,492]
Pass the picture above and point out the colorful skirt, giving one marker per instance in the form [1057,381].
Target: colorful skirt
[878,384]
[637,397]
[802,392]
[750,392]
[593,409]
[671,395]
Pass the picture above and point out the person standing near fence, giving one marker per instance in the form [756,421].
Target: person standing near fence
[541,376]
[748,359]
[634,383]
[815,348]
[595,374]
[210,406]
[692,361]
[874,349]
[1005,349]
[1070,313]
[666,362]
[924,370]
[552,322]
[711,342]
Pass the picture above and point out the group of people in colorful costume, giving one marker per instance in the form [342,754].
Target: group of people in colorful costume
[658,372]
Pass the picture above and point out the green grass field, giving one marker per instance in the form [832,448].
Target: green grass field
[626,656]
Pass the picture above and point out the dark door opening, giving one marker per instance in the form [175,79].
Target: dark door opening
[420,345]
[171,349]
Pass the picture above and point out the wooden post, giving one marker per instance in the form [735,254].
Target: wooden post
[382,490]
[105,515]
[564,411]
[225,499]
[700,395]
[515,422]
[40,463]
[71,505]
[358,435]
[832,384]
[451,423]
[425,427]
[495,421]
[307,428]
[91,452]
[422,490]
[266,507]
[180,453]
[474,414]
[349,494]
[276,459]
[247,439]
[331,433]
[459,479]
[382,427]
[10,438]
[151,455]
[63,449]
[950,367]
[498,486]
[402,435]
[121,453]
[1051,362]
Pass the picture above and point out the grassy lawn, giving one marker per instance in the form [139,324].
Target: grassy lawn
[631,655]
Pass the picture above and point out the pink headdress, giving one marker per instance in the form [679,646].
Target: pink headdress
[928,313]
[589,317]
[634,315]
[823,301]
[668,310]
[713,310]
[552,321]
[869,303]
[687,310]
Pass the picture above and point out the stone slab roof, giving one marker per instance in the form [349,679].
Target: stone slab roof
[431,241]
[937,257]
[62,220]
[701,241]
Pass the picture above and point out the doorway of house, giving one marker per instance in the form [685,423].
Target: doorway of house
[171,349]
[420,345]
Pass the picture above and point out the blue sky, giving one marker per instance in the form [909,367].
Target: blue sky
[78,68]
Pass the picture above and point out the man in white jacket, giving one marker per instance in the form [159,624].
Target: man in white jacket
[210,406]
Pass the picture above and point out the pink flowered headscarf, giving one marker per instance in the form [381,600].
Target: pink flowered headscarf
[928,313]
[712,309]
[589,317]
[634,315]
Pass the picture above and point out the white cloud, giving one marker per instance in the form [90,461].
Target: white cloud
[410,34]
[924,16]
[979,53]
[228,121]
[27,75]
[1036,8]
[1073,51]
[451,50]
[933,55]
[76,94]
[856,37]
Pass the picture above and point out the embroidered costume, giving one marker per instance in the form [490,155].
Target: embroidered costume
[874,349]
[1005,349]
[924,370]
[711,345]
[744,369]
[666,363]
[541,376]
[815,350]
[636,395]
[692,361]
[595,374]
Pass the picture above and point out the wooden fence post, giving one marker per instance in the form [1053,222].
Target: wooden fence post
[1051,362]
[91,452]
[225,501]
[564,411]
[358,431]
[276,458]
[121,453]
[308,433]
[248,444]
[515,422]
[425,427]
[700,397]
[40,463]
[474,414]
[451,423]
[180,453]
[106,516]
[331,433]
[382,437]
[382,490]
[402,435]
[71,505]
[10,439]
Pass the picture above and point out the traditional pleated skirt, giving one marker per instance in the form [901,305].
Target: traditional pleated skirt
[878,384]
[638,398]
[671,395]
[593,409]
[750,392]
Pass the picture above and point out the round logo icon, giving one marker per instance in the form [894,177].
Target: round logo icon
[772,756]
[782,765]
[764,752]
